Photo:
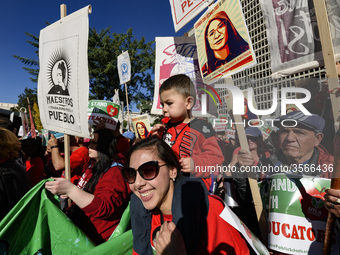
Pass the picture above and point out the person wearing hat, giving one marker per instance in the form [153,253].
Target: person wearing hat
[130,136]
[300,136]
[256,147]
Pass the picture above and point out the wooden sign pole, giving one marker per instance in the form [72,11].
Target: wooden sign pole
[66,137]
[333,84]
[261,218]
[127,105]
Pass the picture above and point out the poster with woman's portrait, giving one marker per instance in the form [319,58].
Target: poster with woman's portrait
[141,125]
[223,42]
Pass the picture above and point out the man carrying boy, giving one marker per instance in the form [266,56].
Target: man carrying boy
[193,140]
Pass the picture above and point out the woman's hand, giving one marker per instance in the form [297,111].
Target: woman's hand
[332,199]
[59,186]
[66,189]
[169,240]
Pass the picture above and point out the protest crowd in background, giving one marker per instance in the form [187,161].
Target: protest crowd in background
[109,168]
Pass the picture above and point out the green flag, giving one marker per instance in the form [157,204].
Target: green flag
[36,225]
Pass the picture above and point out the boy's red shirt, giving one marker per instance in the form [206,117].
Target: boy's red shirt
[195,139]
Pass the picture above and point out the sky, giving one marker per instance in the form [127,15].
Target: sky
[150,19]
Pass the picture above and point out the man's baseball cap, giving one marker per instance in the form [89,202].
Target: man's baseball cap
[253,131]
[130,135]
[314,122]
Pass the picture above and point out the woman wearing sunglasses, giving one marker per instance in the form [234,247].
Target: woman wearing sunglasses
[101,195]
[173,213]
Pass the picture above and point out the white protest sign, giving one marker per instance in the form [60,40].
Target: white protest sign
[124,67]
[184,11]
[63,84]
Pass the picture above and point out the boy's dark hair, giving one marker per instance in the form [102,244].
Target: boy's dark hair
[182,84]
[6,123]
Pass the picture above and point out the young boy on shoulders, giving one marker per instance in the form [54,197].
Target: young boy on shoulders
[192,139]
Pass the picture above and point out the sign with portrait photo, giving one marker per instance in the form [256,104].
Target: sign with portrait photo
[178,55]
[63,84]
[141,125]
[223,42]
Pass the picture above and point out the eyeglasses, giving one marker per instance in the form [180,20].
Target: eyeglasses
[148,171]
[219,28]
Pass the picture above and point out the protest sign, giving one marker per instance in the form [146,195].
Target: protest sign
[220,123]
[258,247]
[297,215]
[293,35]
[24,122]
[141,125]
[223,42]
[63,84]
[124,67]
[184,11]
[178,55]
[105,111]
[231,130]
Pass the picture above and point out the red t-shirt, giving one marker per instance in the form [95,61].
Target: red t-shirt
[111,196]
[35,169]
[79,162]
[123,145]
[196,140]
[219,237]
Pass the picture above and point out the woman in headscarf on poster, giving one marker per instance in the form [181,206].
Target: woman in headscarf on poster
[222,42]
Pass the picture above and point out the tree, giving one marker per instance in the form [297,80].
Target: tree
[29,61]
[31,94]
[36,117]
[103,71]
[145,108]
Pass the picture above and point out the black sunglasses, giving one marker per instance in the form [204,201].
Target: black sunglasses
[148,171]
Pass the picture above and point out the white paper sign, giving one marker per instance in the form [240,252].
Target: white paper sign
[124,67]
[63,84]
[185,10]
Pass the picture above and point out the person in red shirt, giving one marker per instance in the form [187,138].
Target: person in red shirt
[35,160]
[79,159]
[172,213]
[101,194]
[192,139]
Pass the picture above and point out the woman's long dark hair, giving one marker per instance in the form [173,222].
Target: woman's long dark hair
[106,149]
[160,148]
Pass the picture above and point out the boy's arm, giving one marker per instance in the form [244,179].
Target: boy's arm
[207,159]
[157,130]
